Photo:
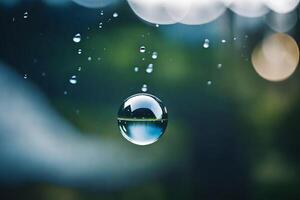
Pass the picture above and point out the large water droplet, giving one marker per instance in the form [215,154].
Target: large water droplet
[77,38]
[142,119]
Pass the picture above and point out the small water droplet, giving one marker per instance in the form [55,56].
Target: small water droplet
[79,69]
[154,55]
[25,76]
[157,25]
[220,65]
[144,88]
[209,82]
[115,14]
[100,25]
[142,119]
[79,51]
[43,73]
[65,92]
[101,13]
[89,58]
[77,38]
[142,49]
[234,38]
[73,80]
[25,16]
[149,68]
[136,69]
[223,41]
[206,43]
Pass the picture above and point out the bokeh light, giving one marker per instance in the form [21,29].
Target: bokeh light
[276,58]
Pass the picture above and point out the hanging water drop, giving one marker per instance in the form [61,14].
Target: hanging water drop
[142,119]
[77,38]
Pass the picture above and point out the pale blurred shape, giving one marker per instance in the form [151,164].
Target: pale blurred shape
[154,11]
[192,12]
[282,22]
[205,11]
[282,6]
[249,8]
[276,58]
[94,3]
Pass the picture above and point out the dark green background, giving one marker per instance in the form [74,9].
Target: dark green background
[237,138]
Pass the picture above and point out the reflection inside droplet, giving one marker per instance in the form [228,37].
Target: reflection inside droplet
[142,119]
